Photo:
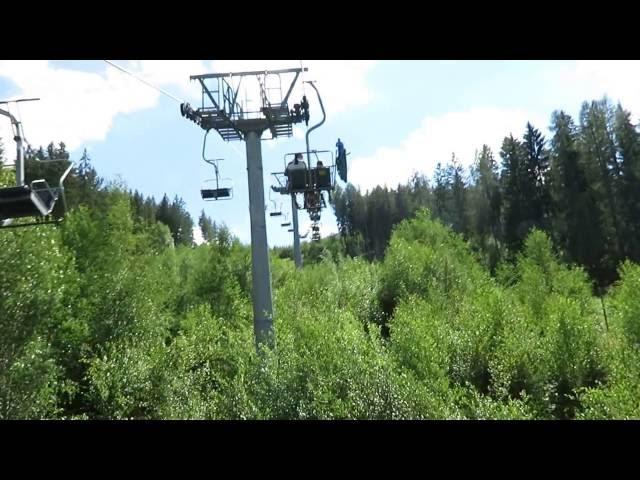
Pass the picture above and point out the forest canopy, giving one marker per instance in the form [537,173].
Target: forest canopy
[505,292]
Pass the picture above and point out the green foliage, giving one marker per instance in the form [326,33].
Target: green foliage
[175,216]
[553,342]
[110,327]
[37,290]
[427,259]
[465,313]
[7,175]
[619,398]
[625,303]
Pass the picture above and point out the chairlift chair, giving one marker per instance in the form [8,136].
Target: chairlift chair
[35,199]
[286,222]
[215,188]
[313,177]
[277,212]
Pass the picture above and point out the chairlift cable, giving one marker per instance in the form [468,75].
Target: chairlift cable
[304,91]
[144,81]
[164,92]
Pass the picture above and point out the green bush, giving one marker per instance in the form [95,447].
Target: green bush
[104,318]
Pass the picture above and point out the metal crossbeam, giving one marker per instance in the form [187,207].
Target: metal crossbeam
[221,112]
[237,74]
[286,97]
[205,89]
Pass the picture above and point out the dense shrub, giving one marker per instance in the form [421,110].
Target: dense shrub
[105,318]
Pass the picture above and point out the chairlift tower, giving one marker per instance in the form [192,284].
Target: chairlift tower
[221,110]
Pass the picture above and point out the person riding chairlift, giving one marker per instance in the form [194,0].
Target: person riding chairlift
[341,160]
[296,164]
[320,165]
[340,146]
[312,200]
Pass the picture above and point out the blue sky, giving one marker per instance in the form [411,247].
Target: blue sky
[395,117]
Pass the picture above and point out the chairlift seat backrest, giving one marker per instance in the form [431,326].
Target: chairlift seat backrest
[298,180]
[27,201]
[323,177]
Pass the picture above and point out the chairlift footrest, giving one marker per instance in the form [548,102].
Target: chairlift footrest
[215,193]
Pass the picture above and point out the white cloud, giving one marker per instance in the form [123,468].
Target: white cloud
[79,106]
[75,106]
[435,140]
[298,132]
[464,132]
[619,80]
[342,83]
[174,73]
[197,236]
[242,229]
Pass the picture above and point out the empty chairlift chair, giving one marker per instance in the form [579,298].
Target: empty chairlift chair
[277,210]
[35,200]
[216,188]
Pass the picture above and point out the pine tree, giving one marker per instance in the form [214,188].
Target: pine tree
[628,151]
[485,201]
[598,154]
[183,234]
[514,221]
[137,203]
[534,188]
[421,194]
[175,216]
[84,186]
[441,195]
[149,208]
[163,214]
[575,228]
[207,228]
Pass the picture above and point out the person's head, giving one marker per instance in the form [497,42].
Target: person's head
[320,164]
[298,157]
